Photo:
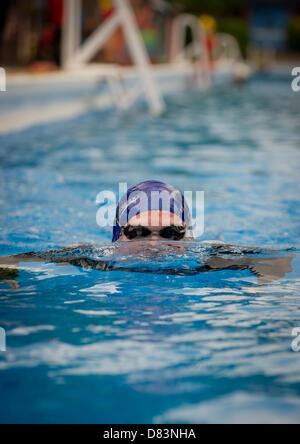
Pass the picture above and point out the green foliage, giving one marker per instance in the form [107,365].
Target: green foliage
[213,7]
[293,38]
[239,29]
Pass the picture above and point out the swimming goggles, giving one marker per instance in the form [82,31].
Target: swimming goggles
[171,233]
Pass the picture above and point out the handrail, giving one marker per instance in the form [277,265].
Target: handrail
[227,48]
[75,56]
[195,51]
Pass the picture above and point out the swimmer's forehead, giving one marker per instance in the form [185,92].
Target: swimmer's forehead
[138,201]
[155,218]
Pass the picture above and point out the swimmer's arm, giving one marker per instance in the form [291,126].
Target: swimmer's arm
[9,267]
[266,269]
[10,264]
[42,256]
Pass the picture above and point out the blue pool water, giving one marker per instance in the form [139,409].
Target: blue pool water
[130,347]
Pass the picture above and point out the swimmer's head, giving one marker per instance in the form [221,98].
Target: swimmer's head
[152,210]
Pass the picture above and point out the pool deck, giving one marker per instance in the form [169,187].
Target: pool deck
[33,99]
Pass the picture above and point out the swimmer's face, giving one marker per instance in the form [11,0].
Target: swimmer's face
[154,226]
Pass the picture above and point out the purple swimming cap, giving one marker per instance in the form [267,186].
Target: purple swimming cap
[148,196]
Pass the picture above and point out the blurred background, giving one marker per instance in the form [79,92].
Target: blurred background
[31,30]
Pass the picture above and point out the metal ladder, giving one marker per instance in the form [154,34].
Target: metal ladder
[196,51]
[75,55]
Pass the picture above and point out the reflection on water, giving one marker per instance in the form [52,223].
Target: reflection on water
[202,333]
[169,340]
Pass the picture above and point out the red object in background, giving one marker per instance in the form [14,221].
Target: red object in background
[55,12]
[211,43]
[107,13]
[47,37]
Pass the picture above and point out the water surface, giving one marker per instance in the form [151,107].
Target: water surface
[85,345]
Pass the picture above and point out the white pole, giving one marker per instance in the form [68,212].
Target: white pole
[95,42]
[74,56]
[139,55]
[2,80]
[71,33]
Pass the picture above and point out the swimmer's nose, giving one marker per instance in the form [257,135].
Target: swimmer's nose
[153,239]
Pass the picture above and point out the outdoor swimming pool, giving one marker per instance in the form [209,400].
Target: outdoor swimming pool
[124,347]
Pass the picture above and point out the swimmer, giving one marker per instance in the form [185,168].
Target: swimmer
[152,213]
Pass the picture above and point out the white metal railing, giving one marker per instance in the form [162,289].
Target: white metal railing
[227,49]
[71,32]
[196,51]
[75,55]
[2,80]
